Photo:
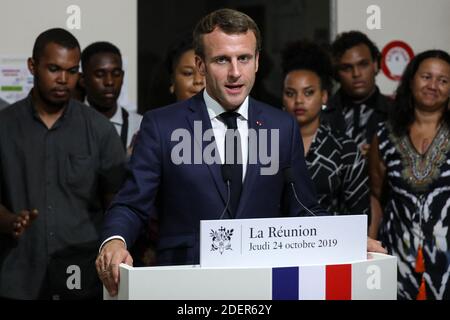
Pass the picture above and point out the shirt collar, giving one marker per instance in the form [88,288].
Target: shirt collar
[215,109]
[66,112]
[371,101]
[116,118]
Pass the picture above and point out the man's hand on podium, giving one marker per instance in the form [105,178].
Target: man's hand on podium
[375,246]
[111,255]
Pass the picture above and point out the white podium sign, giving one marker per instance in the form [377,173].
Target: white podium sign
[371,279]
[283,242]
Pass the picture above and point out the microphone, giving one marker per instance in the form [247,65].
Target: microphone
[289,178]
[226,176]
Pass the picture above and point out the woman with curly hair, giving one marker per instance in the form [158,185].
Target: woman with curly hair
[410,167]
[337,167]
[185,78]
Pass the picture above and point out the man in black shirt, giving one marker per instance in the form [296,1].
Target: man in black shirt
[358,105]
[3,104]
[60,164]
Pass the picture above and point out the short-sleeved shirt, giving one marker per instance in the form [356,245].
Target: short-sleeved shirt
[64,173]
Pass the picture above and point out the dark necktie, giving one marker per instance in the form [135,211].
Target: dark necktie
[233,158]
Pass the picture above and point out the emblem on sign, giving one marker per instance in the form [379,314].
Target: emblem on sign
[221,239]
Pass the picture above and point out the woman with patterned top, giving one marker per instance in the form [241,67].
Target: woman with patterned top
[411,159]
[336,166]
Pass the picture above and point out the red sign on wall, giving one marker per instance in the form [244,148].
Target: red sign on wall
[395,57]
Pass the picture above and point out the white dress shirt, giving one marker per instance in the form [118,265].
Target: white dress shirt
[219,127]
[134,122]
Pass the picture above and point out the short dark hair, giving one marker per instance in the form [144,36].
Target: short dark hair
[350,39]
[176,50]
[59,36]
[306,55]
[229,21]
[98,47]
[401,116]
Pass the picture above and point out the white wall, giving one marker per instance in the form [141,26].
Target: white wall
[21,21]
[423,24]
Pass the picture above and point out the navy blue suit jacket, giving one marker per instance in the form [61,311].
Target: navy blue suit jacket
[184,194]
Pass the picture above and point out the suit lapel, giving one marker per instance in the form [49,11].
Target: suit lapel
[200,113]
[256,121]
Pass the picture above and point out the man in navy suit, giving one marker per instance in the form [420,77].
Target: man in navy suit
[184,190]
